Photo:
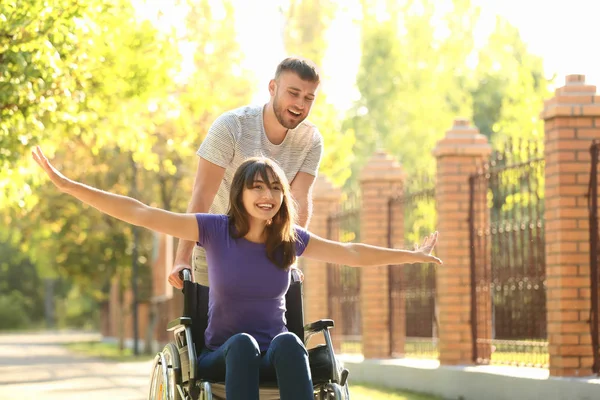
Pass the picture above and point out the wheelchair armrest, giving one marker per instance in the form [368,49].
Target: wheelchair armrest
[181,321]
[318,326]
[323,325]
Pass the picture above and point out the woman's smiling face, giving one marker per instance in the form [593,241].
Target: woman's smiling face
[262,200]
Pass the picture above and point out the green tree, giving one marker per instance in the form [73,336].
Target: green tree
[412,79]
[113,68]
[36,66]
[216,83]
[306,24]
[21,297]
[83,69]
[510,87]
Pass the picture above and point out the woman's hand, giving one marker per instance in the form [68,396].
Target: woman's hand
[59,180]
[426,248]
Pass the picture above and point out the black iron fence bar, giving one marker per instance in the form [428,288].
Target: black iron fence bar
[494,169]
[404,198]
[330,275]
[390,203]
[594,239]
[471,221]
[341,215]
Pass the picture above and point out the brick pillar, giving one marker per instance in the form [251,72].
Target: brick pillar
[380,179]
[572,120]
[458,155]
[326,199]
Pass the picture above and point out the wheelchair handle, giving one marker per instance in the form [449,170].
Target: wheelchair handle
[185,275]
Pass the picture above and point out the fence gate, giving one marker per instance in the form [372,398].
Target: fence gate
[412,288]
[508,268]
[344,282]
[594,254]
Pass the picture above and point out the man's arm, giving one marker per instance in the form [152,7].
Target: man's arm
[207,182]
[302,184]
[301,188]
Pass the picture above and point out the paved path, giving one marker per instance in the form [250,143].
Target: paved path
[37,366]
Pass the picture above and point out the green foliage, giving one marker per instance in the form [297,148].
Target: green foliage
[76,71]
[216,84]
[78,310]
[13,311]
[411,80]
[419,219]
[119,104]
[510,87]
[22,294]
[415,77]
[304,35]
[36,66]
[89,76]
[306,23]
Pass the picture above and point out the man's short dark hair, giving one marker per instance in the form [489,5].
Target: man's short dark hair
[305,69]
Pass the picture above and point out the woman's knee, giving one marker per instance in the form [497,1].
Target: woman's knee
[288,343]
[243,345]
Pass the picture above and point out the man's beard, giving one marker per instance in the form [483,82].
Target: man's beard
[279,113]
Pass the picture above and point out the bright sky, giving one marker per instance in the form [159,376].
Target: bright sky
[563,33]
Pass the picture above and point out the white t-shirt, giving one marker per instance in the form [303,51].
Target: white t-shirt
[239,134]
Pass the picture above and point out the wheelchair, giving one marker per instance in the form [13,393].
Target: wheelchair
[174,371]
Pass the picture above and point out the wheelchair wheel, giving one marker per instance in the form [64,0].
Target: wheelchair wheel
[346,392]
[157,380]
[333,391]
[166,375]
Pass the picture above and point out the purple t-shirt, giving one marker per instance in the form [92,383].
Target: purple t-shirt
[247,291]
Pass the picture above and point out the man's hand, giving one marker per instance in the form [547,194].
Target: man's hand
[426,248]
[175,279]
[296,270]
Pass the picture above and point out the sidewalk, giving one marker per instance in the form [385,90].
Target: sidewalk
[37,366]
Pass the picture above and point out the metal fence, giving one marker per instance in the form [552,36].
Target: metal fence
[344,281]
[412,288]
[594,254]
[508,268]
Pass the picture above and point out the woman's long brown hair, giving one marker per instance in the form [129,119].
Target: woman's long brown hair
[280,233]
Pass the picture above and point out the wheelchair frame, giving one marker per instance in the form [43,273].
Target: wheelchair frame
[180,380]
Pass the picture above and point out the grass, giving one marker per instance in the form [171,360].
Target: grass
[361,391]
[516,353]
[107,351]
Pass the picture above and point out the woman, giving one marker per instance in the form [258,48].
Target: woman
[249,253]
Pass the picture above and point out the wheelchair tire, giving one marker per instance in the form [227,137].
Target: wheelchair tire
[343,390]
[155,380]
[346,392]
[333,391]
[166,375]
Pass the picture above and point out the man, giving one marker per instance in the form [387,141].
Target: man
[277,130]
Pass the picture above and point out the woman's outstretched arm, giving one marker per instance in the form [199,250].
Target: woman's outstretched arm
[364,255]
[183,226]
